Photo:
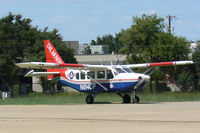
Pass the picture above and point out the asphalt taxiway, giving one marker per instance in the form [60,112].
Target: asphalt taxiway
[173,117]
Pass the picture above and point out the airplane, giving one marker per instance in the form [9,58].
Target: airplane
[95,79]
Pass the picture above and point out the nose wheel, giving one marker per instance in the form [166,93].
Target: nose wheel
[136,99]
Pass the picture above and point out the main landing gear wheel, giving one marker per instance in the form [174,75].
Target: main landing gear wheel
[136,99]
[89,99]
[126,99]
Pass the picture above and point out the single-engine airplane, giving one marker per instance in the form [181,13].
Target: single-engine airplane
[94,79]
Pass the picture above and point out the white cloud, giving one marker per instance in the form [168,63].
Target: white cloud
[98,13]
[148,12]
[59,19]
[197,26]
[81,0]
[91,20]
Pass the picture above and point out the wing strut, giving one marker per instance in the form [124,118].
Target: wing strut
[151,68]
[97,82]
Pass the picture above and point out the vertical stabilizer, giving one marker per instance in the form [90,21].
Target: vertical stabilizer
[51,53]
[52,56]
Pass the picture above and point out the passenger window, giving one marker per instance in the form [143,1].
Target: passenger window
[91,74]
[101,74]
[77,75]
[82,76]
[109,74]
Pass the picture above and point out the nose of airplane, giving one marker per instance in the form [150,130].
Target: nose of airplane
[146,77]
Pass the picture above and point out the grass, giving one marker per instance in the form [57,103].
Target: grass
[170,97]
[76,98]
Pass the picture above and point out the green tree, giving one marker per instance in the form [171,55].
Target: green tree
[141,38]
[15,34]
[20,41]
[146,41]
[196,69]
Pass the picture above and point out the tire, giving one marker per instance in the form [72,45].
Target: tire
[126,99]
[89,99]
[136,99]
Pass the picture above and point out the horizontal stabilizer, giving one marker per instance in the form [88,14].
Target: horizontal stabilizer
[40,74]
[37,65]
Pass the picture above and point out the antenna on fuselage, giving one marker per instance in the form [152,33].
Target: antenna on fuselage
[116,58]
[111,63]
[100,60]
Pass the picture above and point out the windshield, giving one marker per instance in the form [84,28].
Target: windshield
[119,70]
[128,70]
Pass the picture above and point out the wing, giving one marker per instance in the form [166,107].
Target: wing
[46,65]
[172,63]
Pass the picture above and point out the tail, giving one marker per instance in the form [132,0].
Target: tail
[51,53]
[52,56]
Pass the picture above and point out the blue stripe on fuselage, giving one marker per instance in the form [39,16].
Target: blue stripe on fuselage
[89,87]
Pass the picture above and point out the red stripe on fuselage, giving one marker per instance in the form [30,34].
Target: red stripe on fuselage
[62,74]
[86,81]
[162,64]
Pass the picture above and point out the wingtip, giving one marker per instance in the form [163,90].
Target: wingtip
[19,64]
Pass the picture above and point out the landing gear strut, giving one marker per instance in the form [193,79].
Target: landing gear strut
[135,97]
[90,98]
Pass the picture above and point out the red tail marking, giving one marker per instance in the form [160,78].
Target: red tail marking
[51,53]
[52,56]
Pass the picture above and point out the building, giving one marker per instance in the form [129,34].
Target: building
[84,49]
[73,45]
[107,59]
[193,47]
[99,49]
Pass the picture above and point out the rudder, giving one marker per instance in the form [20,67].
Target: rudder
[52,56]
[51,53]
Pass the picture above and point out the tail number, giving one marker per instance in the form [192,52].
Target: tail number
[86,86]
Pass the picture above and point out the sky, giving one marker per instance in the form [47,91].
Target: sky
[84,20]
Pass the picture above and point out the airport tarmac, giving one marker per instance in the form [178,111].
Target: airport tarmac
[173,117]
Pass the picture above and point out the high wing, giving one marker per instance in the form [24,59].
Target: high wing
[47,65]
[172,63]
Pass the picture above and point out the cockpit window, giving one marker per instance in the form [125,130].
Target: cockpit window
[77,75]
[109,74]
[91,74]
[119,70]
[82,75]
[128,70]
[100,74]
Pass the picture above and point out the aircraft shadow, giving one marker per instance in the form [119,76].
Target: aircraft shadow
[124,103]
[103,103]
